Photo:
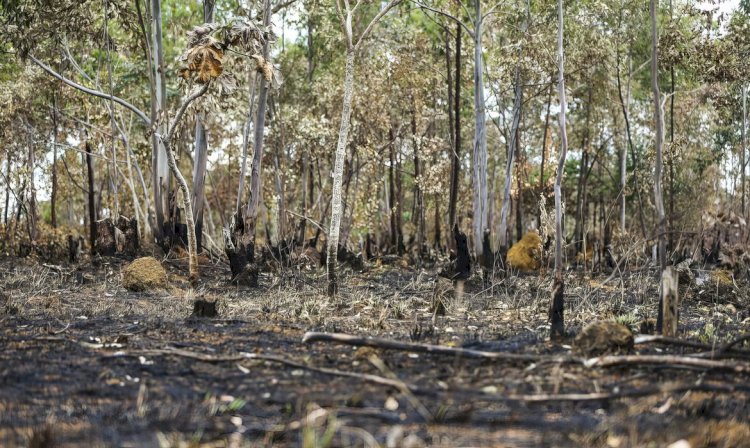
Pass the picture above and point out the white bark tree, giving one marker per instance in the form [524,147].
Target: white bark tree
[513,147]
[345,13]
[659,124]
[557,306]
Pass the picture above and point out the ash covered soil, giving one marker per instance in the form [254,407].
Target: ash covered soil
[85,362]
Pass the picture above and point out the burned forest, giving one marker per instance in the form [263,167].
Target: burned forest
[358,223]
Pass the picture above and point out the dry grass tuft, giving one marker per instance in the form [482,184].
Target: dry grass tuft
[604,336]
[526,255]
[144,274]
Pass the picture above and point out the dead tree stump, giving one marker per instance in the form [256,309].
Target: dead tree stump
[75,248]
[239,245]
[129,244]
[463,260]
[106,239]
[670,301]
[120,238]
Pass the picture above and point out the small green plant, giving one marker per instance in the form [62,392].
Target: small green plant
[707,334]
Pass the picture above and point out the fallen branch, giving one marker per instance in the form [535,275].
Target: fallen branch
[601,396]
[667,361]
[711,352]
[388,344]
[473,395]
[270,358]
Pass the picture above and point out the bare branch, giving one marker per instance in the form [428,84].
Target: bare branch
[93,92]
[446,14]
[382,12]
[183,108]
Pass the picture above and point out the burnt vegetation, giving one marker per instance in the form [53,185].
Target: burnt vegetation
[402,223]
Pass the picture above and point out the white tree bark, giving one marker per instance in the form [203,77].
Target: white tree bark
[513,147]
[563,144]
[557,305]
[338,172]
[659,123]
[157,79]
[182,183]
[345,15]
[479,159]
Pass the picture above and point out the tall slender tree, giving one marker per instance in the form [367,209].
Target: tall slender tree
[557,306]
[346,14]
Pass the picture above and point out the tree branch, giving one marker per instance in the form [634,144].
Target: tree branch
[382,12]
[446,14]
[93,92]
[183,108]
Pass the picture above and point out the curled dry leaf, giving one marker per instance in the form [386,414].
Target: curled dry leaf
[204,62]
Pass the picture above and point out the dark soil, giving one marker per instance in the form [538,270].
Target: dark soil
[83,362]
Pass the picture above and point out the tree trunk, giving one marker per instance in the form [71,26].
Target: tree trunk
[544,153]
[31,213]
[582,199]
[557,305]
[512,151]
[199,175]
[187,204]
[455,156]
[250,215]
[53,195]
[418,205]
[201,150]
[338,171]
[479,160]
[92,204]
[252,81]
[158,106]
[658,122]
[393,197]
[625,105]
[744,145]
[7,193]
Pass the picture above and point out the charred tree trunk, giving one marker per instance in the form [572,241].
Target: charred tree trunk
[53,195]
